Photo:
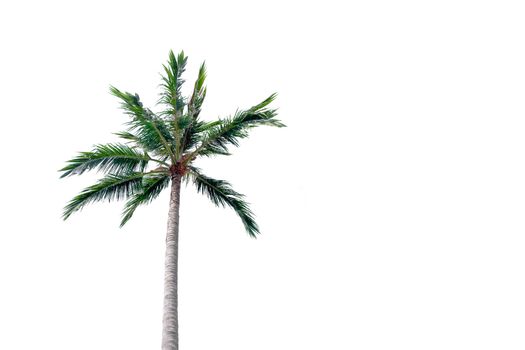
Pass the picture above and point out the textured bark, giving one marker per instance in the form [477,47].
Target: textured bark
[170,323]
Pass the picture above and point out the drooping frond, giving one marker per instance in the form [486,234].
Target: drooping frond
[152,186]
[149,131]
[172,82]
[110,158]
[221,193]
[230,130]
[111,187]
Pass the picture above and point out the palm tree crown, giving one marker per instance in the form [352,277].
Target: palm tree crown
[160,146]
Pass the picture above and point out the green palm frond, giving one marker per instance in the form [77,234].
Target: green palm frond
[172,82]
[230,130]
[149,130]
[222,194]
[172,98]
[110,158]
[199,93]
[152,186]
[111,187]
[193,126]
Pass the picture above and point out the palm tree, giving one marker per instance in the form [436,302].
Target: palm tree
[160,149]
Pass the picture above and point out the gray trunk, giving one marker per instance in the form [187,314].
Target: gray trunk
[170,323]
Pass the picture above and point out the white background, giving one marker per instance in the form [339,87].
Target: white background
[391,208]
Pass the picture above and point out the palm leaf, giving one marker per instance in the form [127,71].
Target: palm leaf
[230,130]
[111,187]
[222,194]
[199,93]
[152,186]
[149,130]
[111,158]
[172,82]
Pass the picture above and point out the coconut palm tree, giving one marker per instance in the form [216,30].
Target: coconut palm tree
[158,151]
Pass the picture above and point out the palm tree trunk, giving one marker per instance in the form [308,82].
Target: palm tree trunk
[170,323]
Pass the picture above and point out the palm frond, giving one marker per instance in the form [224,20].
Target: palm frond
[111,187]
[172,82]
[222,194]
[199,93]
[149,130]
[230,130]
[152,186]
[110,158]
[193,125]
